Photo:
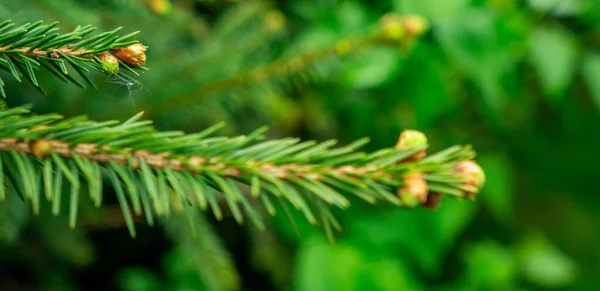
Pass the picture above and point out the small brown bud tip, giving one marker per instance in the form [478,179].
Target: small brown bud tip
[433,201]
[133,55]
[41,148]
[411,138]
[109,63]
[392,27]
[471,172]
[415,25]
[415,190]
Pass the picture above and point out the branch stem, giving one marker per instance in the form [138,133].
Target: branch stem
[51,52]
[194,164]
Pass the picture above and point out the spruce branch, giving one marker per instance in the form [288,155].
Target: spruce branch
[155,172]
[392,30]
[26,49]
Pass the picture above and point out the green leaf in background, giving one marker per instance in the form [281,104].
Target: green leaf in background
[389,273]
[489,266]
[313,38]
[13,215]
[373,68]
[553,53]
[473,41]
[68,245]
[591,74]
[177,264]
[432,9]
[342,16]
[321,266]
[421,235]
[450,221]
[199,258]
[137,279]
[544,264]
[324,267]
[557,7]
[426,85]
[350,15]
[269,255]
[498,191]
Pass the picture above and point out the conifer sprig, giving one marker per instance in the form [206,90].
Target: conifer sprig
[157,172]
[392,29]
[27,48]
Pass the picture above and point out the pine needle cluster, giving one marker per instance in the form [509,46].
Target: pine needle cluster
[27,48]
[154,173]
[157,172]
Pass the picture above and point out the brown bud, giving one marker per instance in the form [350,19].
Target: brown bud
[415,190]
[433,200]
[133,55]
[414,25]
[41,148]
[471,172]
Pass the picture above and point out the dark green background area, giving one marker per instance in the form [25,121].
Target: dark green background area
[519,80]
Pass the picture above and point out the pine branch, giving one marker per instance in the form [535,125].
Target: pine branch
[26,49]
[392,30]
[157,172]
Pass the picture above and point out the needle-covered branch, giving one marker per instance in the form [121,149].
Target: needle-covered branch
[157,172]
[26,49]
[392,29]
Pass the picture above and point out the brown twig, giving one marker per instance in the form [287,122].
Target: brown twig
[133,159]
[51,53]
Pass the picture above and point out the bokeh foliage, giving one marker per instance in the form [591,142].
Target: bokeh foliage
[517,79]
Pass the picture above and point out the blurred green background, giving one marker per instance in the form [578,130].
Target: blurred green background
[519,80]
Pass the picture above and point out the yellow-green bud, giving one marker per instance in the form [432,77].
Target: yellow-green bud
[161,7]
[411,138]
[343,47]
[415,25]
[41,148]
[109,63]
[274,21]
[391,27]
